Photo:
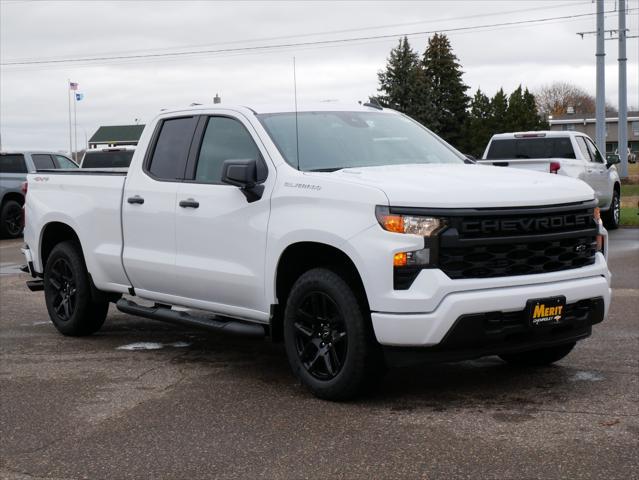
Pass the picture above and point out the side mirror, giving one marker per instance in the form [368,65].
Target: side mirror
[612,159]
[243,174]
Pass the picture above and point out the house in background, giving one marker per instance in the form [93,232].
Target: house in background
[585,123]
[116,136]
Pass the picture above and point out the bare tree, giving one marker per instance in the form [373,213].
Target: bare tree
[555,98]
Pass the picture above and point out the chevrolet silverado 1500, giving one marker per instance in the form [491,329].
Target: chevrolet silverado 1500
[353,234]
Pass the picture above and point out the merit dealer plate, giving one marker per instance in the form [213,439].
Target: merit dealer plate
[546,311]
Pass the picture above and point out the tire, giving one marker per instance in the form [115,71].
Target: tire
[328,337]
[612,216]
[67,291]
[11,219]
[540,357]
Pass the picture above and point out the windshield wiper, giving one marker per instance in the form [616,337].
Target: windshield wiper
[332,169]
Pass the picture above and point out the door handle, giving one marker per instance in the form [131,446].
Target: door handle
[189,203]
[136,199]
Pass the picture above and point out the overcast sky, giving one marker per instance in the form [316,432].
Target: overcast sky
[33,99]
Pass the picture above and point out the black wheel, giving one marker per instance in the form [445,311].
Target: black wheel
[329,339]
[540,357]
[612,216]
[67,292]
[11,219]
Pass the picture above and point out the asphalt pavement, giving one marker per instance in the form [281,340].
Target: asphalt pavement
[142,399]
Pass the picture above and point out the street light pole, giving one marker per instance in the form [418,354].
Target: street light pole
[600,132]
[622,144]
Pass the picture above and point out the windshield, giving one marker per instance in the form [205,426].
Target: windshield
[331,141]
[113,159]
[558,147]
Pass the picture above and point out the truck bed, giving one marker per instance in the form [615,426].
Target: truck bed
[536,164]
[88,201]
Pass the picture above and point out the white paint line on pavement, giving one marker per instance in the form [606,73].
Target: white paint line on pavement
[152,346]
[586,377]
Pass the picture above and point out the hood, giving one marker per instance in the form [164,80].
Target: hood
[467,186]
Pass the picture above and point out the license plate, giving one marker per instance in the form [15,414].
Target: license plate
[546,311]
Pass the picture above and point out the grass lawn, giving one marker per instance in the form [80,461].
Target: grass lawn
[629,190]
[630,216]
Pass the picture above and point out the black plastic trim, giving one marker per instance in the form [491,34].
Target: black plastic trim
[491,211]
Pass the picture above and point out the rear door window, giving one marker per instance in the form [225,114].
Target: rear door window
[13,163]
[171,151]
[581,142]
[42,161]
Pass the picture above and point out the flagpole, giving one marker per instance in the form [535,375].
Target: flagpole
[69,99]
[75,125]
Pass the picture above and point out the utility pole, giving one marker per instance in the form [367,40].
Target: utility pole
[600,132]
[622,145]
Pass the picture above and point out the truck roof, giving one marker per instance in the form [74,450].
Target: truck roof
[538,134]
[282,108]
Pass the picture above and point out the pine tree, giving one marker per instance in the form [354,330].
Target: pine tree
[444,89]
[478,129]
[536,119]
[522,114]
[499,111]
[400,80]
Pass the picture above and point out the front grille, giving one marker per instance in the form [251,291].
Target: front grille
[519,258]
[520,241]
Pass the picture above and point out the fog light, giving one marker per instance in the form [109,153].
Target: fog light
[415,258]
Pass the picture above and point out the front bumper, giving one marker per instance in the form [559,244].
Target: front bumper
[429,329]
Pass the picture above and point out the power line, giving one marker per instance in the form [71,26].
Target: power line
[305,35]
[295,44]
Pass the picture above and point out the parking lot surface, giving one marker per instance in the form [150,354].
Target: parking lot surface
[142,399]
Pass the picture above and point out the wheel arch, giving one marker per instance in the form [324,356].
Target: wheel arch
[302,256]
[18,197]
[54,233]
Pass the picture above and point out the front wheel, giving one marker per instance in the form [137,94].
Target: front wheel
[329,340]
[540,357]
[67,292]
[612,217]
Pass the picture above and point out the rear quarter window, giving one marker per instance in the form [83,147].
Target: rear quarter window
[13,163]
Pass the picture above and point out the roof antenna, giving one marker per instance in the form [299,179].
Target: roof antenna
[297,135]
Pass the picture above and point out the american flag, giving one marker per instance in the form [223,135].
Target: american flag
[73,86]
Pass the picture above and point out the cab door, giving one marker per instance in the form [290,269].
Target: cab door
[148,208]
[221,236]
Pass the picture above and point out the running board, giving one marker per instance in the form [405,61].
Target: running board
[35,285]
[216,324]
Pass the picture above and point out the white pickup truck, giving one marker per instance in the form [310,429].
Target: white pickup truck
[568,153]
[351,233]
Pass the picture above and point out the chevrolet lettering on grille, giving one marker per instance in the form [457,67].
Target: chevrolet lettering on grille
[526,225]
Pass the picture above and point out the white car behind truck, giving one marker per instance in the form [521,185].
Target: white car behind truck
[352,234]
[567,153]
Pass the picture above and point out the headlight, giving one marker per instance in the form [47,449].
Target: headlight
[417,225]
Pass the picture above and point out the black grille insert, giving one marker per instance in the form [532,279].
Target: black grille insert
[518,258]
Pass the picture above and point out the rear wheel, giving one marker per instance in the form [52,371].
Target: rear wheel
[11,219]
[540,357]
[67,292]
[329,339]
[612,217]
